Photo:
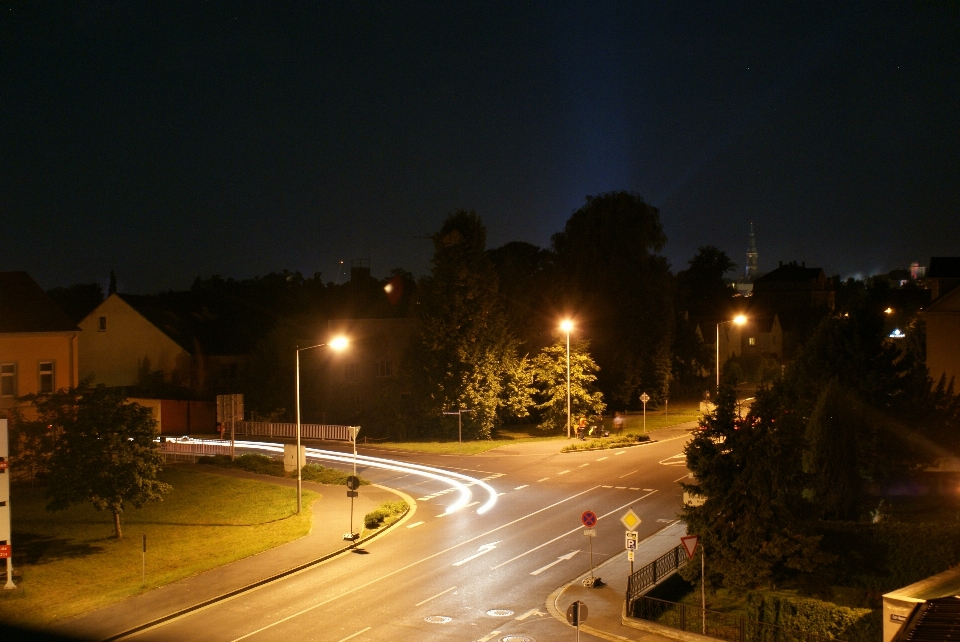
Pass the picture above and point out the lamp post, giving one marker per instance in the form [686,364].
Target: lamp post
[567,326]
[338,344]
[738,320]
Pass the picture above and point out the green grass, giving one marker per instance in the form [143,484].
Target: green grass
[385,514]
[72,563]
[264,465]
[603,443]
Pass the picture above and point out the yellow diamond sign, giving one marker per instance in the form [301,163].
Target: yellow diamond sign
[630,520]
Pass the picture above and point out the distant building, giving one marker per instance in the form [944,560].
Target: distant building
[38,342]
[943,337]
[751,271]
[943,275]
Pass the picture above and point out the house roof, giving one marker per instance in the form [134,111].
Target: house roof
[167,321]
[790,273]
[944,267]
[946,302]
[25,307]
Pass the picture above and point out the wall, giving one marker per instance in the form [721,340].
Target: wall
[28,349]
[943,338]
[182,417]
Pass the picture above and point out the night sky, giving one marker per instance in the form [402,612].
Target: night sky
[168,140]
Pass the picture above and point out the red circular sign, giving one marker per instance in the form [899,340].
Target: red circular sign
[589,518]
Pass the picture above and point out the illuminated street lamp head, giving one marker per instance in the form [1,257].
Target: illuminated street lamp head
[339,343]
[739,319]
[888,311]
[566,325]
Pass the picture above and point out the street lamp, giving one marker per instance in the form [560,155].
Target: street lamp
[338,344]
[567,325]
[737,320]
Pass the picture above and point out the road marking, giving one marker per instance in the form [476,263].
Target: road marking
[606,486]
[533,611]
[647,490]
[672,461]
[622,452]
[621,487]
[634,489]
[564,472]
[355,634]
[445,513]
[684,477]
[483,550]
[435,596]
[500,494]
[407,567]
[489,636]
[415,524]
[519,487]
[602,458]
[630,473]
[582,465]
[578,528]
[543,479]
[563,558]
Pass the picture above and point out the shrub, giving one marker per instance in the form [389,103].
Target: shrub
[386,511]
[324,475]
[252,462]
[602,443]
[815,616]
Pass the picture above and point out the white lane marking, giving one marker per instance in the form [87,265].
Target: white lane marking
[672,461]
[533,611]
[630,473]
[684,477]
[444,514]
[483,550]
[499,494]
[606,486]
[621,487]
[622,452]
[404,568]
[602,458]
[578,528]
[489,636]
[355,634]
[436,596]
[582,465]
[517,488]
[563,472]
[562,558]
[415,524]
[543,479]
[634,489]
[646,490]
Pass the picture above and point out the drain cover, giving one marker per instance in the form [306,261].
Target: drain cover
[516,638]
[437,619]
[499,613]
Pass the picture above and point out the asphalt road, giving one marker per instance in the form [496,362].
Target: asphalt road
[478,577]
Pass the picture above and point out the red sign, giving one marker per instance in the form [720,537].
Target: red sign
[690,544]
[4,464]
[589,518]
[5,551]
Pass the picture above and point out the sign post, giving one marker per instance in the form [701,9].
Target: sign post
[6,548]
[589,520]
[577,613]
[631,520]
[353,483]
[690,543]
[143,571]
[229,410]
[644,398]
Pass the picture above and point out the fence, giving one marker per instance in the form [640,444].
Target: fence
[307,431]
[653,572]
[722,626]
[191,450]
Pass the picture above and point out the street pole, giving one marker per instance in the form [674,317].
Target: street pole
[703,590]
[299,475]
[568,402]
[143,568]
[718,358]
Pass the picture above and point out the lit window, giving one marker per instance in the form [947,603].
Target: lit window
[46,376]
[103,324]
[752,341]
[384,368]
[8,380]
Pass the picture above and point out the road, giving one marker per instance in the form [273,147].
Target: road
[463,576]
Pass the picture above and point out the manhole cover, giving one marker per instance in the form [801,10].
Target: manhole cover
[499,613]
[516,638]
[437,619]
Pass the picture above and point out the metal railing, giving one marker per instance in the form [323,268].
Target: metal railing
[307,431]
[722,626]
[653,572]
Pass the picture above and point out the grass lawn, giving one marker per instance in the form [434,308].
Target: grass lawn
[72,563]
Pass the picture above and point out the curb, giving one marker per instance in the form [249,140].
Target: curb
[269,580]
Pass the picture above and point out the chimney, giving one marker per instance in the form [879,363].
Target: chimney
[781,263]
[803,264]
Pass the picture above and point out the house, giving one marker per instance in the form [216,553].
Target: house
[39,343]
[943,337]
[794,287]
[943,275]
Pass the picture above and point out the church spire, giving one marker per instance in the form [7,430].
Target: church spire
[753,266]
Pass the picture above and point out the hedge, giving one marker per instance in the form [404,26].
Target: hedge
[814,616]
[386,511]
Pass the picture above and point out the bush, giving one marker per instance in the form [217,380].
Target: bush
[253,463]
[324,475]
[387,511]
[887,556]
[815,616]
[602,443]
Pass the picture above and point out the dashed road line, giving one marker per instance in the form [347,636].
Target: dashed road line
[630,473]
[435,596]
[602,458]
[350,637]
[415,524]
[563,472]
[543,479]
[519,487]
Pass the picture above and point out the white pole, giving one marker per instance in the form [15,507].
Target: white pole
[718,356]
[568,391]
[703,590]
[299,477]
[644,417]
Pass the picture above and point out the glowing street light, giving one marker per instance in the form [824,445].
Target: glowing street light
[737,320]
[338,344]
[567,325]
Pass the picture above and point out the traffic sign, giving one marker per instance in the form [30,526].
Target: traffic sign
[3,464]
[632,539]
[644,397]
[577,613]
[5,551]
[589,518]
[590,532]
[690,544]
[630,520]
[629,556]
[353,482]
[352,493]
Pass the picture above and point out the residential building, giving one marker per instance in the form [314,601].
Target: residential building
[38,342]
[943,275]
[943,337]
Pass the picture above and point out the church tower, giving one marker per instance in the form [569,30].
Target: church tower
[753,265]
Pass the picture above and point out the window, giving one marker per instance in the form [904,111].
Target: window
[103,325]
[752,341]
[384,368]
[351,371]
[8,379]
[46,376]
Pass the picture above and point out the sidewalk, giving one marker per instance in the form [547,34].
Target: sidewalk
[605,604]
[331,519]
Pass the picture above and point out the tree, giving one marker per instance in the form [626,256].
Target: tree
[701,287]
[463,355]
[550,376]
[103,451]
[611,277]
[831,458]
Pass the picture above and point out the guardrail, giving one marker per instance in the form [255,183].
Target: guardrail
[307,431]
[190,450]
[653,572]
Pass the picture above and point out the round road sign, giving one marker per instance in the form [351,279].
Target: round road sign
[353,482]
[589,518]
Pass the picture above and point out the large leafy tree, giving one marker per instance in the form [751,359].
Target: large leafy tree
[463,355]
[103,452]
[550,376]
[701,289]
[613,279]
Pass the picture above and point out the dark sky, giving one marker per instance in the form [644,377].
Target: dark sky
[169,140]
